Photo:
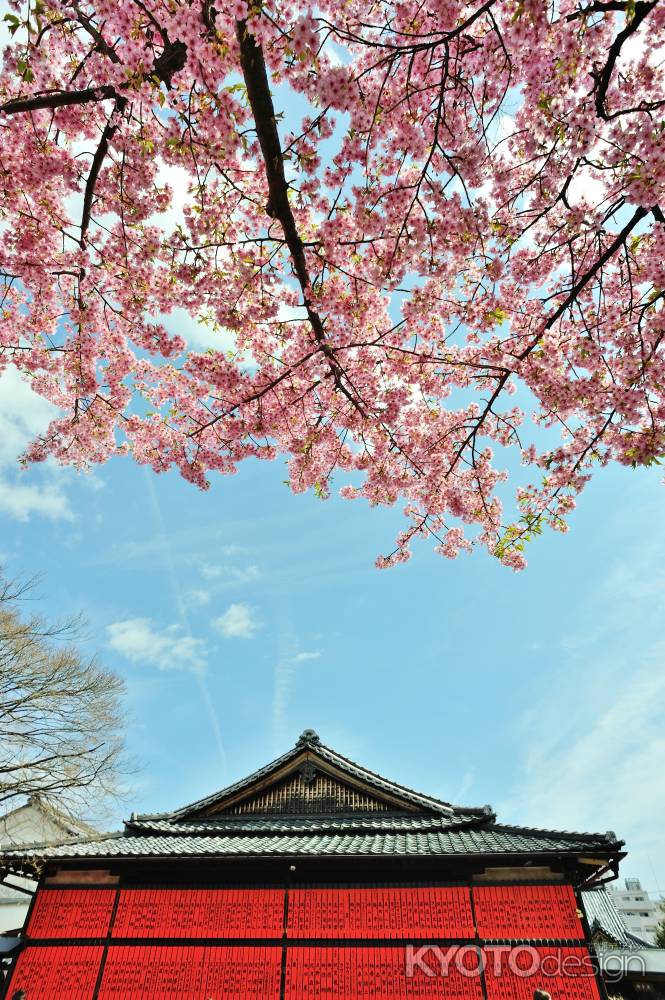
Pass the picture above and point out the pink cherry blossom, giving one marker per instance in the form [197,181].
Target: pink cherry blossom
[427,236]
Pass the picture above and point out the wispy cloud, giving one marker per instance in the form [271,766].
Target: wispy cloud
[197,595]
[224,573]
[286,671]
[169,564]
[138,640]
[22,500]
[209,572]
[24,415]
[238,622]
[285,675]
[594,742]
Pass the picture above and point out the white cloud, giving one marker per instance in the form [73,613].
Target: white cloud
[199,596]
[303,657]
[287,313]
[24,415]
[337,55]
[237,622]
[232,550]
[138,640]
[21,501]
[464,786]
[178,180]
[244,574]
[197,334]
[587,185]
[230,574]
[211,572]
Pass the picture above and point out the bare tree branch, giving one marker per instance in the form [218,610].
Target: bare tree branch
[61,722]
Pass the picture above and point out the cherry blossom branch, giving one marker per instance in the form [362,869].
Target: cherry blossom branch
[109,131]
[641,10]
[571,297]
[166,64]
[58,99]
[255,75]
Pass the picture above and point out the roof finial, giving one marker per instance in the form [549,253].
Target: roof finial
[308,736]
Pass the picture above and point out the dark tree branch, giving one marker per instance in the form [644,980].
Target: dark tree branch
[58,99]
[642,9]
[100,43]
[570,298]
[258,90]
[110,129]
[579,285]
[598,8]
[170,60]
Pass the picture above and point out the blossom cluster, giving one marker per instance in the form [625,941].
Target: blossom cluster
[475,219]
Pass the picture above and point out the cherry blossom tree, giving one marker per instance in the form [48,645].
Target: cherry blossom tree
[427,235]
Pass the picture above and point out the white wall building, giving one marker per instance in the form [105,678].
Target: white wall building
[35,822]
[640,913]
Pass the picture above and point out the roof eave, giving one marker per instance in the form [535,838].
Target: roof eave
[291,857]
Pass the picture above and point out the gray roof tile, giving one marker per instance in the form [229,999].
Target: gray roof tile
[334,823]
[603,915]
[492,840]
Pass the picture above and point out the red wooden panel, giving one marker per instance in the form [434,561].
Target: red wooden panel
[68,972]
[359,973]
[564,973]
[527,912]
[199,913]
[425,912]
[71,913]
[191,972]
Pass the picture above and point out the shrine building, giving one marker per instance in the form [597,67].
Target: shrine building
[312,878]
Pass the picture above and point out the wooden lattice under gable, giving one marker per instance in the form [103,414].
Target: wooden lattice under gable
[304,792]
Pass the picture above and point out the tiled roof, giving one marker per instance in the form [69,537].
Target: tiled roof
[419,826]
[603,916]
[492,840]
[333,823]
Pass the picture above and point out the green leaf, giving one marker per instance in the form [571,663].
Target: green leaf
[24,71]
[497,315]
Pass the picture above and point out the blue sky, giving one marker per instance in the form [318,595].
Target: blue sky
[243,615]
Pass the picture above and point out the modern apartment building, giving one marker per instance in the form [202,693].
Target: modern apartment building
[639,911]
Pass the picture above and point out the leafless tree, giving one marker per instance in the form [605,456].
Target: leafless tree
[61,716]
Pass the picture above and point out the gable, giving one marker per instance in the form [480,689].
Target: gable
[307,788]
[37,823]
[605,940]
[312,779]
[307,791]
